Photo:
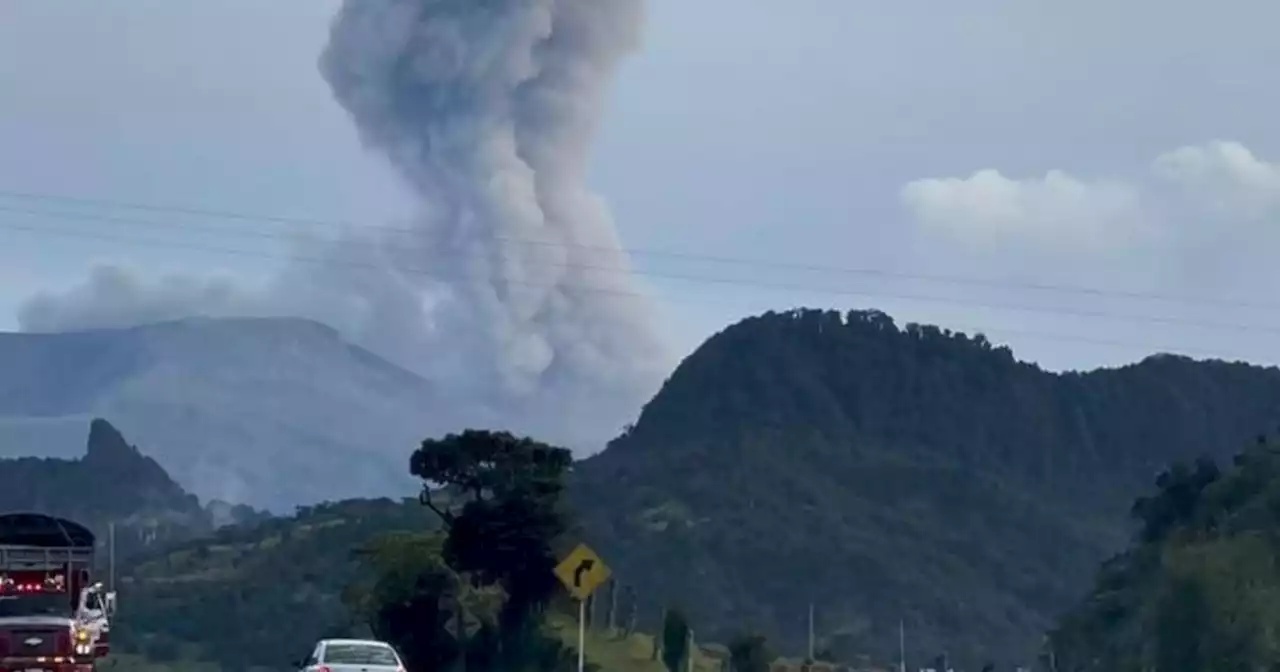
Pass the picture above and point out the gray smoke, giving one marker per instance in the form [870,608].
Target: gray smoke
[488,108]
[116,297]
[511,287]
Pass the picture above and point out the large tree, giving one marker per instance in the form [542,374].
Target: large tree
[417,602]
[500,499]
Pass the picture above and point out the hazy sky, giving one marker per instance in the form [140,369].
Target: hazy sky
[1128,147]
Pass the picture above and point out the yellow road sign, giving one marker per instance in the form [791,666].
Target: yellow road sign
[582,571]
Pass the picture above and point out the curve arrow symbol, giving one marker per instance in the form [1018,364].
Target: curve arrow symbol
[582,568]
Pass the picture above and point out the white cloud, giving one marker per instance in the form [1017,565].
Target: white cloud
[989,208]
[1176,252]
[1223,178]
[1189,193]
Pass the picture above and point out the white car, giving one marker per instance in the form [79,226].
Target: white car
[352,655]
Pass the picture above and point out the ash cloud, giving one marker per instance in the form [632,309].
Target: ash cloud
[116,297]
[487,109]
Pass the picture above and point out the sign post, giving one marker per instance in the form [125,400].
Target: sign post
[582,572]
[582,635]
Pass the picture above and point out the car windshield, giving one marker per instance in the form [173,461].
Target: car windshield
[359,654]
[35,605]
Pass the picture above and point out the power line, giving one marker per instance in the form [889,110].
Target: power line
[1091,314]
[323,261]
[1148,347]
[641,252]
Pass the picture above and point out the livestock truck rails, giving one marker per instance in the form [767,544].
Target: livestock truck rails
[53,616]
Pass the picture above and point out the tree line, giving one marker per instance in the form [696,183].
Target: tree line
[475,593]
[1198,589]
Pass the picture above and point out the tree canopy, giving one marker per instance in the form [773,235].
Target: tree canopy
[478,590]
[1199,590]
[892,473]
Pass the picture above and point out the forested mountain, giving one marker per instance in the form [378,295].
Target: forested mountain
[1199,590]
[885,473]
[113,483]
[113,480]
[228,406]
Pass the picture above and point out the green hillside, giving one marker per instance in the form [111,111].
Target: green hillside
[259,596]
[1199,591]
[884,475]
[614,652]
[889,474]
[255,595]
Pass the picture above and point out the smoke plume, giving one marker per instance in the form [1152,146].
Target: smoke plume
[488,109]
[115,297]
[511,287]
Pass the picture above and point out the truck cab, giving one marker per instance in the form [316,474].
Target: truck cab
[53,616]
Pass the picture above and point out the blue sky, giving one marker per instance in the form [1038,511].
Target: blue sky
[783,132]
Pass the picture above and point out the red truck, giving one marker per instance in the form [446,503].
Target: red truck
[53,616]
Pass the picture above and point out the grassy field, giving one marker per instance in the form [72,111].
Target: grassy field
[614,653]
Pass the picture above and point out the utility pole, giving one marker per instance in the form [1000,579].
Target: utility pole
[902,646]
[689,652]
[613,606]
[633,611]
[657,639]
[811,632]
[111,555]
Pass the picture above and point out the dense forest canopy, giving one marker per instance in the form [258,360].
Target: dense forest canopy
[257,594]
[885,473]
[1199,590]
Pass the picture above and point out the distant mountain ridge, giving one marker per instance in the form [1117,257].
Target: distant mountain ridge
[265,411]
[113,483]
[885,473]
[112,480]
